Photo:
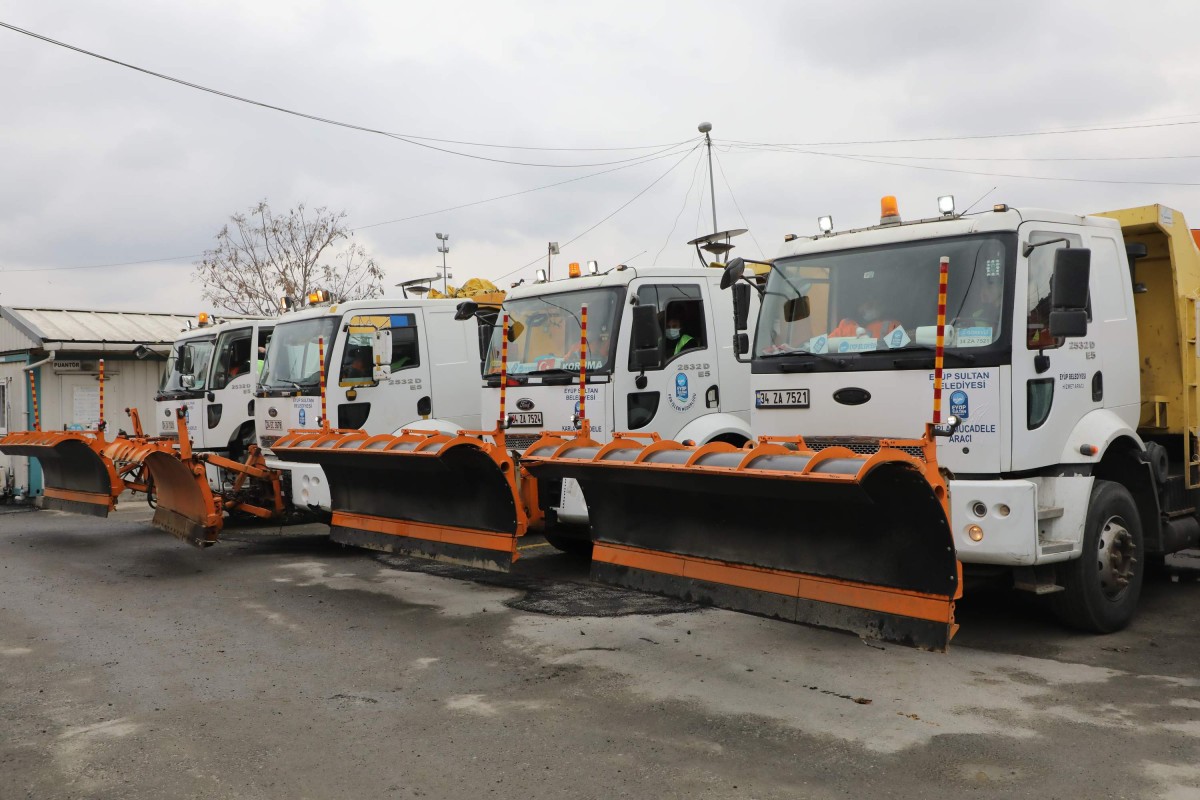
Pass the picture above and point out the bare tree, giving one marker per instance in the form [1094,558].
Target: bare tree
[261,257]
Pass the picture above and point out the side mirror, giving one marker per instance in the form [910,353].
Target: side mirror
[187,381]
[796,309]
[733,272]
[466,309]
[381,353]
[741,306]
[741,343]
[644,352]
[1069,291]
[1135,250]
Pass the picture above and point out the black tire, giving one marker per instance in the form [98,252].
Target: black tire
[1112,548]
[568,540]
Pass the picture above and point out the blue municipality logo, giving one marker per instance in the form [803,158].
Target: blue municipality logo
[681,386]
[302,416]
[959,406]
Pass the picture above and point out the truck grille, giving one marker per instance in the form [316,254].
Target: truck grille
[520,441]
[864,447]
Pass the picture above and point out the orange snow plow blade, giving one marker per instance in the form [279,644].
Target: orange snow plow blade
[78,477]
[852,537]
[454,498]
[187,507]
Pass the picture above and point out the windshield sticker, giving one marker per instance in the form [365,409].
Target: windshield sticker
[897,338]
[852,344]
[976,336]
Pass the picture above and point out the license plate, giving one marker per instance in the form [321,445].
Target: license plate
[525,419]
[273,424]
[781,398]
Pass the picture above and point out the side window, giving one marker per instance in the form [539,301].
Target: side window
[233,358]
[1041,265]
[681,319]
[264,339]
[358,356]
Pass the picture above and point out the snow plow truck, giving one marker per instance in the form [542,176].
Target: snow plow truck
[1065,451]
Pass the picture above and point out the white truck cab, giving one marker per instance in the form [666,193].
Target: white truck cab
[676,375]
[390,364]
[211,373]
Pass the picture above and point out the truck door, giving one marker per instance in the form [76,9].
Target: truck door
[684,384]
[1047,404]
[231,388]
[379,396]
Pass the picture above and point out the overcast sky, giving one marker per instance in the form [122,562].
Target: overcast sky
[101,164]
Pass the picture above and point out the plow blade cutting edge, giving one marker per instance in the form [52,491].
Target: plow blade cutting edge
[78,477]
[433,495]
[830,538]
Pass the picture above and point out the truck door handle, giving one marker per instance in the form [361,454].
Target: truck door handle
[712,398]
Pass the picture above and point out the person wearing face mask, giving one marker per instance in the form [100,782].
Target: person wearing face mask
[677,340]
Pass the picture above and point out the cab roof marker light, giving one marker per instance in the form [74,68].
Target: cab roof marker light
[825,223]
[790,237]
[540,276]
[1000,208]
[202,319]
[573,270]
[946,205]
[889,211]
[593,267]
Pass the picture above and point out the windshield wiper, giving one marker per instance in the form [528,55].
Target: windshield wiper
[835,360]
[925,348]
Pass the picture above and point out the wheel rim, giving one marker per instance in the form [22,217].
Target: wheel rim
[1115,558]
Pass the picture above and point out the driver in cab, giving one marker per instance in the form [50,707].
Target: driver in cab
[870,322]
[677,340]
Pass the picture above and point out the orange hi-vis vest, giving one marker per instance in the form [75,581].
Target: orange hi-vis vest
[877,329]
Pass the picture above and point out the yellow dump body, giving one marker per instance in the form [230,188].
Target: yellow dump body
[1166,320]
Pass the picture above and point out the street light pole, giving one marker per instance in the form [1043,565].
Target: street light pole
[704,128]
[443,248]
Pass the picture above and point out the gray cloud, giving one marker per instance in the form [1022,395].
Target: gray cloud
[106,165]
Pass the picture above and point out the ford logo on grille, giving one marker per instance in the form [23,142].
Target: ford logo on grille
[525,404]
[852,396]
[272,412]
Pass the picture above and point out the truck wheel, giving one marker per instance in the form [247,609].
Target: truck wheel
[1103,585]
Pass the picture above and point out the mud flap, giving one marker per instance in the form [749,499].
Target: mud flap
[832,539]
[186,506]
[77,478]
[431,495]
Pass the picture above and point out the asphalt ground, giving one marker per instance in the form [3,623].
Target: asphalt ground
[280,665]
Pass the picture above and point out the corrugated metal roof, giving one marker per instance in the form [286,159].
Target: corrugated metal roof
[54,325]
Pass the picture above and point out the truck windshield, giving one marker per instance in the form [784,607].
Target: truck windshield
[544,332]
[852,302]
[292,354]
[187,366]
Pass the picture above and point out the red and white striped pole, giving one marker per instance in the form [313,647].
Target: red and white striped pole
[37,418]
[100,426]
[583,366]
[502,421]
[321,377]
[939,352]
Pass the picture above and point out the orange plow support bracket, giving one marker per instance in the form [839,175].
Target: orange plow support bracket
[78,476]
[433,495]
[834,537]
